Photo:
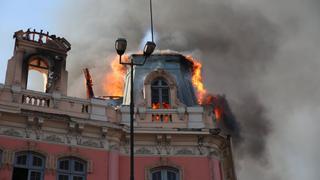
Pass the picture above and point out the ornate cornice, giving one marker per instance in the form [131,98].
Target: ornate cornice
[114,140]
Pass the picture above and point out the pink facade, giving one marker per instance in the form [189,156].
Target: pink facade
[51,136]
[191,167]
[111,165]
[53,151]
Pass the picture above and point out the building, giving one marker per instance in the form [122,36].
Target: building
[49,135]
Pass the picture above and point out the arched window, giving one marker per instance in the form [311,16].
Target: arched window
[164,173]
[37,74]
[71,168]
[28,166]
[160,94]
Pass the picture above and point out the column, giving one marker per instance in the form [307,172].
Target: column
[216,168]
[113,165]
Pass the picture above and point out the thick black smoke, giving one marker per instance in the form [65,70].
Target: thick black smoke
[234,42]
[249,49]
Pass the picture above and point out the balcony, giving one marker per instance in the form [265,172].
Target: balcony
[181,117]
[15,99]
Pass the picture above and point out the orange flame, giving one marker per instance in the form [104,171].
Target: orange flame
[196,79]
[114,81]
[158,105]
[155,105]
[218,113]
[218,105]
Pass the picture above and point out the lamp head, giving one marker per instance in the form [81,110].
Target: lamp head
[120,46]
[149,48]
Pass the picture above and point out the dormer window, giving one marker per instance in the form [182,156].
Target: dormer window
[160,91]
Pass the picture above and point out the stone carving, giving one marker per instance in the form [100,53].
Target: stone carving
[103,143]
[200,144]
[144,151]
[54,138]
[91,143]
[163,142]
[167,144]
[28,131]
[114,147]
[159,143]
[214,152]
[184,151]
[12,132]
[38,133]
[125,143]
[69,138]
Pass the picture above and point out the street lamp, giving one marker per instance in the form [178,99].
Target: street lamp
[149,48]
[120,46]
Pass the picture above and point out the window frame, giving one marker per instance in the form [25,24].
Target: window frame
[171,80]
[164,172]
[40,65]
[72,172]
[160,85]
[29,163]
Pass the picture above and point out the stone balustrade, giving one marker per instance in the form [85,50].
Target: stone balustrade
[35,100]
[181,117]
[22,99]
[101,109]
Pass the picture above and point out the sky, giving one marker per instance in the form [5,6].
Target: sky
[20,15]
[262,54]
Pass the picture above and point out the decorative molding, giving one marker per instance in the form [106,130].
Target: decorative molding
[167,144]
[28,132]
[54,138]
[69,138]
[159,143]
[200,144]
[104,131]
[103,143]
[38,133]
[72,125]
[163,142]
[144,151]
[125,143]
[215,153]
[184,151]
[114,147]
[91,143]
[12,132]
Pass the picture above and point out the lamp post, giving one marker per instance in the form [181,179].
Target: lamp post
[120,46]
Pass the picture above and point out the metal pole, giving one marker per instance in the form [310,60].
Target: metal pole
[131,124]
[151,23]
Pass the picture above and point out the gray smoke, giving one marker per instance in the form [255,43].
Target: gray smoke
[262,54]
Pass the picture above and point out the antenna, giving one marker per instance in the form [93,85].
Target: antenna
[151,20]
